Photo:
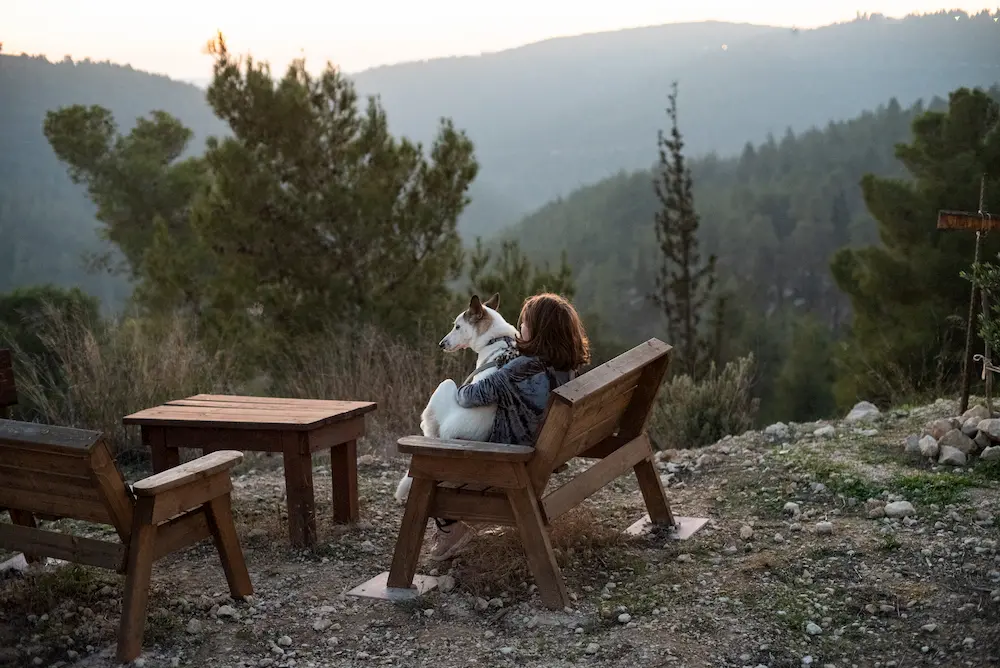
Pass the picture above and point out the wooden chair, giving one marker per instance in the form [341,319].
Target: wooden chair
[8,390]
[601,415]
[69,473]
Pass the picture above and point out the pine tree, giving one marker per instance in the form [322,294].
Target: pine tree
[684,285]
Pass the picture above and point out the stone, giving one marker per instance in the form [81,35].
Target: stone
[951,456]
[792,508]
[482,604]
[593,648]
[285,641]
[366,460]
[446,583]
[898,509]
[746,532]
[194,626]
[624,618]
[982,440]
[228,611]
[813,629]
[322,624]
[978,411]
[971,427]
[991,454]
[827,431]
[956,439]
[991,428]
[863,411]
[824,528]
[778,431]
[911,444]
[938,428]
[929,447]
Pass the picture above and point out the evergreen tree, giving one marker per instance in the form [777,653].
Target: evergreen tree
[684,286]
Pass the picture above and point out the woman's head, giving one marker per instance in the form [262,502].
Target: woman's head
[551,330]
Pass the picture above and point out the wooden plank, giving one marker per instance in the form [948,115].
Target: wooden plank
[224,438]
[8,389]
[322,403]
[538,548]
[344,479]
[188,473]
[497,474]
[177,500]
[332,435]
[79,550]
[453,504]
[23,456]
[229,417]
[652,493]
[963,220]
[263,403]
[43,503]
[142,548]
[455,449]
[181,532]
[108,481]
[46,437]
[609,372]
[299,489]
[220,521]
[573,492]
[48,483]
[411,534]
[636,417]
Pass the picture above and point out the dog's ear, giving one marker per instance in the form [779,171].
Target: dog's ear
[493,302]
[475,307]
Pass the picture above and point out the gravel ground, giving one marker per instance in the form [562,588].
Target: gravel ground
[799,565]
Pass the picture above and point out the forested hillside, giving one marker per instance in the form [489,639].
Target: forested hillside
[774,216]
[545,118]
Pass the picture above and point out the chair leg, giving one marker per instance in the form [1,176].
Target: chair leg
[220,521]
[136,596]
[652,493]
[538,548]
[411,534]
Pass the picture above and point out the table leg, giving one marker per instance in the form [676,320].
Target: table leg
[299,490]
[162,457]
[344,475]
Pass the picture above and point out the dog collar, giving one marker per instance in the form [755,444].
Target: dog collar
[509,340]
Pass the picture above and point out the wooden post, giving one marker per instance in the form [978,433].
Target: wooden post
[979,222]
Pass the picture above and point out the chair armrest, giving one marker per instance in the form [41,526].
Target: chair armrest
[455,449]
[190,472]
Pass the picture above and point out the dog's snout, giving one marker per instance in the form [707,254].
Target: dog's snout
[441,343]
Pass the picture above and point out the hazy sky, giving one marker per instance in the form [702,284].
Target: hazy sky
[168,37]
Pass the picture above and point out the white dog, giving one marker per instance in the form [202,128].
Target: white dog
[483,329]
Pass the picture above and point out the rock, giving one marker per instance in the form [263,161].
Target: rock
[824,528]
[898,509]
[322,624]
[507,650]
[813,629]
[624,618]
[194,626]
[929,447]
[951,456]
[978,411]
[446,583]
[929,628]
[982,440]
[228,611]
[991,454]
[777,431]
[991,428]
[778,538]
[971,427]
[911,444]
[938,428]
[746,532]
[827,431]
[285,641]
[593,648]
[366,460]
[956,439]
[863,411]
[792,508]
[482,604]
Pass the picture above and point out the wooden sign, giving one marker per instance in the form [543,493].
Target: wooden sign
[962,220]
[8,392]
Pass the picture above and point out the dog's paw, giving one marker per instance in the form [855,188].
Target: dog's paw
[403,489]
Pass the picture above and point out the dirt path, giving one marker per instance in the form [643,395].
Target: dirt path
[830,581]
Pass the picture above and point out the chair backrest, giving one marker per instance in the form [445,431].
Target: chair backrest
[62,472]
[600,410]
[8,390]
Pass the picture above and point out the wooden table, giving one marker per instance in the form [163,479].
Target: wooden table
[296,428]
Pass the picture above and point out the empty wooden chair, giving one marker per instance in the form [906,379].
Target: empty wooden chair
[69,473]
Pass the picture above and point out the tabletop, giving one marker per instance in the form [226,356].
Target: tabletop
[238,412]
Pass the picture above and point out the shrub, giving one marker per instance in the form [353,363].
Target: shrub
[691,414]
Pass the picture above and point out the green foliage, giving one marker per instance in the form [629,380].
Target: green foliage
[691,414]
[514,277]
[684,286]
[908,306]
[22,310]
[939,488]
[804,385]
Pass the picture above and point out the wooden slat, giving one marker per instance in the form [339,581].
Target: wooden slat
[571,494]
[961,220]
[181,532]
[188,473]
[177,500]
[47,483]
[612,408]
[549,443]
[465,449]
[110,485]
[451,504]
[46,437]
[334,404]
[249,412]
[91,510]
[226,438]
[62,546]
[332,435]
[273,405]
[21,456]
[609,372]
[496,474]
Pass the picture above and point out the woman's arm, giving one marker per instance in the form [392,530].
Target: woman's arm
[485,392]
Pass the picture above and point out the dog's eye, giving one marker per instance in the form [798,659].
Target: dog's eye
[456,326]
